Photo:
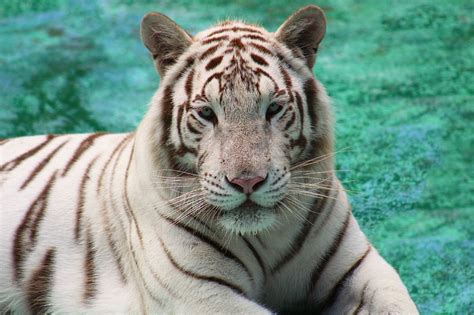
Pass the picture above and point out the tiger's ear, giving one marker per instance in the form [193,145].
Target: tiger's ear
[165,40]
[303,31]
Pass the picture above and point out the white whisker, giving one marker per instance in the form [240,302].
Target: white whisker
[317,159]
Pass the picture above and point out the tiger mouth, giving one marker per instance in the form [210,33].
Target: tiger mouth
[248,218]
[250,206]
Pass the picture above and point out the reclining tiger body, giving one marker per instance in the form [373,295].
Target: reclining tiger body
[224,200]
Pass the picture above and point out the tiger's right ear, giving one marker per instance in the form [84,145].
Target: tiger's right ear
[165,40]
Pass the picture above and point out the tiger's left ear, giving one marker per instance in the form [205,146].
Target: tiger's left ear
[165,40]
[303,31]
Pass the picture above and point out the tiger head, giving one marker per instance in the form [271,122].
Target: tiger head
[239,107]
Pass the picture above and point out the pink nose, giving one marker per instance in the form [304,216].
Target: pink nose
[247,185]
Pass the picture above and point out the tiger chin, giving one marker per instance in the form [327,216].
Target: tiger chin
[223,200]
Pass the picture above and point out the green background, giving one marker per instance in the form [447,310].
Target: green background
[400,74]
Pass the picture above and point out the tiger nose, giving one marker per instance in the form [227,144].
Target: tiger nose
[247,185]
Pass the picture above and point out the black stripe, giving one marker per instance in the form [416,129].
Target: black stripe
[104,168]
[209,52]
[80,202]
[107,226]
[299,103]
[260,71]
[219,281]
[258,59]
[332,297]
[234,29]
[217,76]
[301,141]
[183,148]
[261,49]
[127,200]
[18,160]
[40,284]
[191,128]
[113,247]
[218,247]
[90,285]
[290,122]
[183,70]
[236,43]
[166,107]
[116,162]
[318,271]
[298,242]
[201,159]
[188,86]
[142,279]
[257,256]
[158,299]
[4,141]
[23,244]
[179,118]
[214,62]
[286,78]
[215,39]
[362,299]
[255,37]
[196,120]
[288,108]
[41,165]
[83,147]
[310,92]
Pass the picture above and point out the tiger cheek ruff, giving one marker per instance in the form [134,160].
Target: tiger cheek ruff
[224,200]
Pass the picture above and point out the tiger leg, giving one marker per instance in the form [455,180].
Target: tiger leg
[374,287]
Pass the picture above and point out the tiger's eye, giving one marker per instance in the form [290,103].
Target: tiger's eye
[206,113]
[272,110]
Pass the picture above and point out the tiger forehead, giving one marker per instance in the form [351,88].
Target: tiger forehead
[235,37]
[237,83]
[234,66]
[231,27]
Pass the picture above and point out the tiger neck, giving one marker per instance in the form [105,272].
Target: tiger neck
[140,220]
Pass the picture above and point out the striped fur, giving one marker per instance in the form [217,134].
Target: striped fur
[151,221]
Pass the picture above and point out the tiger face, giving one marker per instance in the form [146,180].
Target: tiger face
[240,107]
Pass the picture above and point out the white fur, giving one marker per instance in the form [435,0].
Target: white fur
[148,244]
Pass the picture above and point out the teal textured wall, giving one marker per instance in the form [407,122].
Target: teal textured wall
[400,74]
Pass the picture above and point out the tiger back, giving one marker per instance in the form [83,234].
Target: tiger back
[224,200]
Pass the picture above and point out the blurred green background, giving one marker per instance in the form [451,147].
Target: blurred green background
[400,74]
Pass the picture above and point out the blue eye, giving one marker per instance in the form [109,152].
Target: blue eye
[206,113]
[272,110]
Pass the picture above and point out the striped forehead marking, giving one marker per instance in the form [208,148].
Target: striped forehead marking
[234,41]
[234,30]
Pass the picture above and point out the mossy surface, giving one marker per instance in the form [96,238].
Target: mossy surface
[400,75]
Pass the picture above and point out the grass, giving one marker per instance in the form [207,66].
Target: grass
[399,73]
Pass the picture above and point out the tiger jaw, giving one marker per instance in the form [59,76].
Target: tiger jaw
[248,219]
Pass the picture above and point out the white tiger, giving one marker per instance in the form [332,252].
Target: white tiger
[223,200]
